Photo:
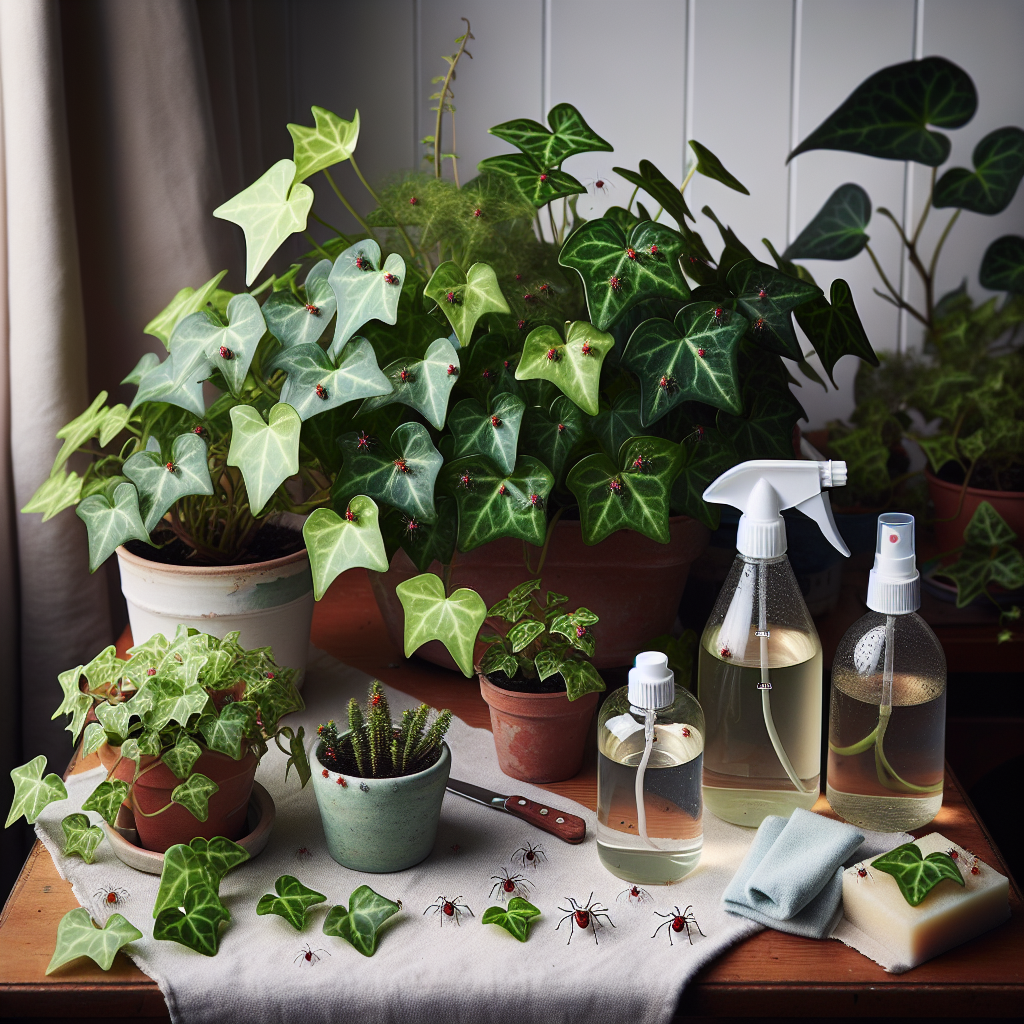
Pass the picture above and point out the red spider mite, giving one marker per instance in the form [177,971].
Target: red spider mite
[364,440]
[326,774]
[975,870]
[350,516]
[505,364]
[545,288]
[449,297]
[586,349]
[529,297]
[667,383]
[405,375]
[762,294]
[450,910]
[150,671]
[312,310]
[686,732]
[321,392]
[453,370]
[615,283]
[599,184]
[701,352]
[679,922]
[581,632]
[412,525]
[226,353]
[954,854]
[561,428]
[631,252]
[552,354]
[495,421]
[718,314]
[519,277]
[759,324]
[529,855]
[506,886]
[634,896]
[402,466]
[413,201]
[725,652]
[478,212]
[654,250]
[362,262]
[640,462]
[584,917]
[615,485]
[543,177]
[536,501]
[170,467]
[862,871]
[503,490]
[310,956]
[199,431]
[112,896]
[465,481]
[487,373]
[304,853]
[390,278]
[520,324]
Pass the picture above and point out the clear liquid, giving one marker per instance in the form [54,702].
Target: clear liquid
[744,780]
[672,804]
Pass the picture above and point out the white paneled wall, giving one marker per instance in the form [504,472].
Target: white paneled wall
[748,78]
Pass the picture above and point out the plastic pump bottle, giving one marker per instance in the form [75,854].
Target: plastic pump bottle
[650,741]
[760,658]
[887,723]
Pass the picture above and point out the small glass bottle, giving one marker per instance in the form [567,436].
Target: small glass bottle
[650,743]
[887,721]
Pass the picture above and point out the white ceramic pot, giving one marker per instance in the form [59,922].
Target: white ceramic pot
[269,603]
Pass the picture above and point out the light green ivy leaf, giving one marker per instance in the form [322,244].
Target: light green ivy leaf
[60,490]
[429,615]
[110,524]
[159,384]
[185,303]
[194,795]
[182,756]
[75,702]
[364,290]
[81,837]
[33,791]
[291,320]
[360,922]
[331,142]
[516,918]
[161,484]
[77,936]
[114,718]
[201,862]
[422,384]
[292,901]
[464,298]
[266,453]
[93,738]
[337,543]
[106,799]
[572,365]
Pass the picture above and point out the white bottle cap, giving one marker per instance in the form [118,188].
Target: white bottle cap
[652,684]
[894,584]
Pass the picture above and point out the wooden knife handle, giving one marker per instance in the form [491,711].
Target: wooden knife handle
[570,828]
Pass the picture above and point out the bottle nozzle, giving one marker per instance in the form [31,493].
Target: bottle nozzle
[651,681]
[894,584]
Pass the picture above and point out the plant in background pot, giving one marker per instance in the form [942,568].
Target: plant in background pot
[379,785]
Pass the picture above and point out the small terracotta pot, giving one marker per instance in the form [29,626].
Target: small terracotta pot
[949,525]
[108,755]
[227,807]
[539,737]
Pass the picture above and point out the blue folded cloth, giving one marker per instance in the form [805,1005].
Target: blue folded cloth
[792,876]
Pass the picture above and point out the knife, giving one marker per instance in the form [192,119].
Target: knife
[570,828]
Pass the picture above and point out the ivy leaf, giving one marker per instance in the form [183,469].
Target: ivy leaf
[75,702]
[423,542]
[182,756]
[166,699]
[81,837]
[199,926]
[160,384]
[359,924]
[548,663]
[429,615]
[766,297]
[93,738]
[516,918]
[575,627]
[185,303]
[266,453]
[572,365]
[523,634]
[493,434]
[916,875]
[60,490]
[660,189]
[711,167]
[632,495]
[1002,267]
[226,732]
[194,795]
[335,543]
[292,901]
[158,486]
[765,430]
[81,429]
[422,384]
[998,167]
[494,504]
[888,113]
[291,321]
[837,231]
[704,460]
[364,290]
[552,433]
[78,936]
[613,280]
[464,298]
[834,329]
[107,797]
[32,792]
[580,677]
[489,367]
[615,425]
[496,659]
[147,362]
[988,556]
[987,528]
[268,211]
[203,862]
[110,524]
[569,135]
[538,184]
[331,142]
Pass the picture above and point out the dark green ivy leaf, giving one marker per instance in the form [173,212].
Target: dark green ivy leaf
[540,185]
[834,328]
[706,455]
[915,875]
[569,135]
[292,901]
[551,434]
[998,167]
[837,231]
[199,926]
[659,188]
[614,425]
[422,384]
[493,434]
[711,167]
[1002,267]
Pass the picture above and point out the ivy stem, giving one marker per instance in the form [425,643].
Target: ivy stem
[348,206]
[686,181]
[328,225]
[376,198]
[445,87]
[316,245]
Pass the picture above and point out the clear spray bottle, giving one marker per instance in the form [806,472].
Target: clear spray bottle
[759,669]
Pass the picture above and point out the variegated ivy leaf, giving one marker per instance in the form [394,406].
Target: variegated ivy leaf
[77,936]
[523,634]
[142,367]
[336,543]
[160,484]
[464,298]
[33,791]
[159,384]
[75,703]
[114,718]
[60,490]
[106,799]
[401,472]
[292,901]
[494,504]
[569,135]
[538,184]
[512,608]
[186,302]
[580,677]
[201,862]
[422,384]
[194,795]
[332,141]
[633,494]
[110,524]
[359,923]
[575,627]
[165,699]
[93,738]
[493,434]
[182,756]
[429,615]
[81,429]
[268,211]
[81,836]
[692,359]
[294,322]
[115,421]
[618,272]
[615,425]
[364,290]
[226,732]
[572,365]
[197,924]
[266,453]
[551,434]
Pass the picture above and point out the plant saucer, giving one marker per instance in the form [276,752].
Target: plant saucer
[125,840]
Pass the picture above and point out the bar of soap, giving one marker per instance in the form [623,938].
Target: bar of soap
[946,917]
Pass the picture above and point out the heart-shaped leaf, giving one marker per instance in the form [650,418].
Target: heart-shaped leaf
[705,456]
[359,923]
[987,528]
[422,384]
[711,167]
[621,216]
[332,141]
[660,189]
[887,114]
[464,298]
[81,837]
[423,542]
[523,634]
[186,302]
[161,484]
[199,926]
[538,184]
[182,756]
[292,901]
[336,543]
[60,490]
[429,615]
[493,434]
[837,231]
[294,322]
[834,328]
[617,274]
[266,453]
[93,738]
[226,732]
[401,473]
[693,359]
[110,524]
[766,297]
[107,797]
[516,918]
[572,365]
[916,875]
[575,627]
[614,426]
[78,936]
[201,862]
[194,795]
[1002,267]
[75,702]
[634,494]
[159,384]
[976,568]
[33,791]
[998,167]
[551,434]
[364,290]
[569,135]
[165,699]
[580,677]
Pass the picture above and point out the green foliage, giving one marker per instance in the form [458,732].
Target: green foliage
[111,522]
[267,452]
[202,863]
[1002,266]
[465,296]
[711,167]
[431,615]
[421,384]
[915,875]
[331,142]
[361,921]
[197,923]
[837,231]
[569,136]
[33,791]
[364,289]
[516,918]
[78,936]
[998,167]
[292,901]
[573,365]
[337,543]
[991,554]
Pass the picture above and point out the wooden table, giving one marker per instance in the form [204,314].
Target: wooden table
[770,975]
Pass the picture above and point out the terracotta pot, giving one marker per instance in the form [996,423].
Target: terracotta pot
[632,583]
[539,737]
[227,807]
[949,525]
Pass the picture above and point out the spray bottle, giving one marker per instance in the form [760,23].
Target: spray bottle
[650,738]
[759,673]
[888,716]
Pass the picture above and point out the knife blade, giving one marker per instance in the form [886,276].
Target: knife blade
[570,828]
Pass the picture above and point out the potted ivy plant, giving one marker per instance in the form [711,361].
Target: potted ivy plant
[189,720]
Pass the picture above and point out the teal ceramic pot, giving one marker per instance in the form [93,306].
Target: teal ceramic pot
[381,824]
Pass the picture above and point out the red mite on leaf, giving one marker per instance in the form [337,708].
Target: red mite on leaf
[584,917]
[478,212]
[402,466]
[654,250]
[362,262]
[615,485]
[762,294]
[586,349]
[486,373]
[640,463]
[453,370]
[759,324]
[615,283]
[519,277]
[450,910]
[375,700]
[350,516]
[718,314]
[552,354]
[390,278]
[412,525]
[169,467]
[536,501]
[413,201]
[543,177]
[505,363]
[581,632]
[503,490]
[342,782]
[495,421]
[405,375]
[226,353]
[545,288]
[449,297]
[529,297]
[667,383]
[953,854]
[364,440]
[561,428]
[199,431]
[321,392]
[631,252]
[312,310]
[465,481]
[520,324]
[635,896]
[150,671]
[700,352]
